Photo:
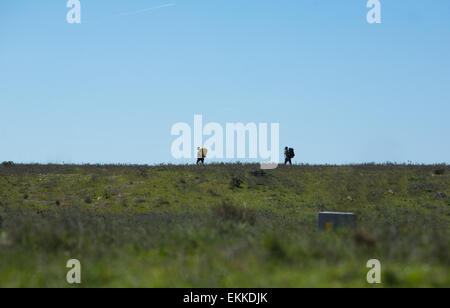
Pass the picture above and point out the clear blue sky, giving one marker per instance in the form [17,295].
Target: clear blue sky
[110,89]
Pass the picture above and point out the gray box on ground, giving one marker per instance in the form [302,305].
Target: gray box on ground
[332,220]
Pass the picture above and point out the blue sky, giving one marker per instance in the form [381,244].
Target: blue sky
[110,89]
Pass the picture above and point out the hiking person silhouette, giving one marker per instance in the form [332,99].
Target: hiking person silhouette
[201,155]
[288,155]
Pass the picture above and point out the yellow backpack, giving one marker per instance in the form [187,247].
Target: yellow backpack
[204,152]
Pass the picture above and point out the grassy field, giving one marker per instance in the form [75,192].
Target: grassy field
[223,225]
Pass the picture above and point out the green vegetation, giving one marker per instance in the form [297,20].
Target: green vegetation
[223,225]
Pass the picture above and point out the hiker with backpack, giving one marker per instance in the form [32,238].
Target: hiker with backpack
[288,155]
[201,155]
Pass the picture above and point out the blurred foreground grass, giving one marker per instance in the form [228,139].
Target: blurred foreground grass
[223,225]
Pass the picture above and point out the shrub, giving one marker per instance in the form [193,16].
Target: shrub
[161,201]
[143,173]
[440,195]
[275,248]
[439,171]
[236,182]
[228,211]
[258,173]
[362,238]
[88,200]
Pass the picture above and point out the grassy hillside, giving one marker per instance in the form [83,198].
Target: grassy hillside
[223,225]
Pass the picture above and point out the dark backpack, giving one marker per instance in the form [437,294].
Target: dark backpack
[291,153]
